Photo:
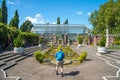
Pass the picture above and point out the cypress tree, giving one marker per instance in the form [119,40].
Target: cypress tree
[15,21]
[0,15]
[66,22]
[26,26]
[58,20]
[4,14]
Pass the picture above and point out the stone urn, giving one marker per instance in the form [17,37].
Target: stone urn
[40,45]
[79,45]
[18,50]
[102,50]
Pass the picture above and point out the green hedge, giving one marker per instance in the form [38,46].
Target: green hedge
[8,33]
[39,56]
[82,56]
[102,41]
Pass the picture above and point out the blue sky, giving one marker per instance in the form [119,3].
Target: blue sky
[44,11]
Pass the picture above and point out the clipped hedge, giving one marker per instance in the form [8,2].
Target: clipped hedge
[8,33]
[39,56]
[18,42]
[30,38]
[82,56]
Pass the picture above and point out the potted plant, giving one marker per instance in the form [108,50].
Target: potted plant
[40,41]
[80,40]
[18,43]
[101,47]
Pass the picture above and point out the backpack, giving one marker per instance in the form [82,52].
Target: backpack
[59,56]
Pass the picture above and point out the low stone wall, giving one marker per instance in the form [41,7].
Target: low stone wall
[96,39]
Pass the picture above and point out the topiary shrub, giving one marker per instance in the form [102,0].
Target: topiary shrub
[41,40]
[80,39]
[102,41]
[39,56]
[117,42]
[18,42]
[82,56]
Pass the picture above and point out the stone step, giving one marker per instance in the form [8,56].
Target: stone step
[22,57]
[7,56]
[11,58]
[9,65]
[2,63]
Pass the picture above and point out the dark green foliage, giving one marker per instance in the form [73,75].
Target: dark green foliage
[10,33]
[39,56]
[0,15]
[58,20]
[4,14]
[66,22]
[30,38]
[117,42]
[18,42]
[15,21]
[80,39]
[41,40]
[102,41]
[107,15]
[26,26]
[3,34]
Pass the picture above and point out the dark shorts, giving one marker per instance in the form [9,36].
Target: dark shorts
[59,63]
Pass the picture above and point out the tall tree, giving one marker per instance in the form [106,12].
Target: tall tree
[0,15]
[11,22]
[4,14]
[66,21]
[15,21]
[105,16]
[58,20]
[26,26]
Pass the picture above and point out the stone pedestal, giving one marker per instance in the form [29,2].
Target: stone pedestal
[65,39]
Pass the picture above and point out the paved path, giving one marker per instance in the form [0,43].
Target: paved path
[94,68]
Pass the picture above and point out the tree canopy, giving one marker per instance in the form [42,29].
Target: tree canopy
[66,21]
[58,20]
[26,26]
[15,21]
[3,12]
[107,15]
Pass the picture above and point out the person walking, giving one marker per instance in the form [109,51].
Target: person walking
[59,61]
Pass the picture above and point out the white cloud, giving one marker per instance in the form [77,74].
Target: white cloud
[15,2]
[38,19]
[89,13]
[79,12]
[10,2]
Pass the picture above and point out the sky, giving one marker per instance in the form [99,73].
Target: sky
[47,11]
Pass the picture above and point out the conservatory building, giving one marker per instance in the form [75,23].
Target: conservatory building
[60,32]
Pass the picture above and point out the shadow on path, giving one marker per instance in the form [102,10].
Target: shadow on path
[73,73]
[88,59]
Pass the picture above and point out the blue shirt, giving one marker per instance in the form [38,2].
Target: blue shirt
[57,57]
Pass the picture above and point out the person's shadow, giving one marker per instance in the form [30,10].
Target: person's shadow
[73,73]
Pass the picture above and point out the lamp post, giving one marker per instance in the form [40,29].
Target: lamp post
[107,36]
